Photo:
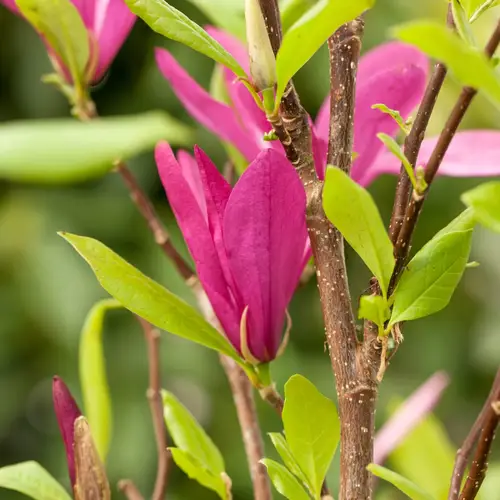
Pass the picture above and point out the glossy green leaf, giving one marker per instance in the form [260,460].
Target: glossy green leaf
[229,15]
[410,489]
[196,471]
[292,10]
[463,222]
[65,150]
[403,124]
[283,449]
[484,200]
[93,379]
[312,436]
[189,436]
[31,479]
[469,65]
[428,282]
[462,22]
[284,481]
[374,308]
[474,8]
[352,210]
[62,26]
[172,23]
[146,298]
[310,32]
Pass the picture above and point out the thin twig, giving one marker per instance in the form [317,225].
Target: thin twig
[152,336]
[129,489]
[465,450]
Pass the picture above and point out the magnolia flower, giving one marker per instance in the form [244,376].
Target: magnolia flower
[108,23]
[247,242]
[393,74]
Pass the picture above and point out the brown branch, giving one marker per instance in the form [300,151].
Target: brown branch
[403,241]
[465,450]
[129,489]
[152,336]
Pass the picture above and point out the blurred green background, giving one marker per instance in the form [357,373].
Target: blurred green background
[46,290]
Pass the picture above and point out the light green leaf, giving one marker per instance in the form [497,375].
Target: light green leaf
[31,479]
[284,481]
[374,308]
[475,8]
[196,471]
[466,220]
[430,279]
[189,436]
[283,449]
[227,14]
[310,32]
[403,124]
[172,23]
[146,298]
[352,210]
[462,22]
[312,436]
[62,26]
[65,150]
[410,489]
[93,379]
[484,200]
[469,65]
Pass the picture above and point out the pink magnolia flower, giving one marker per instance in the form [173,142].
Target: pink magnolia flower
[108,22]
[247,242]
[393,74]
[67,412]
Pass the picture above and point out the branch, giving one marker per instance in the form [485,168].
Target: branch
[403,242]
[129,489]
[480,425]
[152,336]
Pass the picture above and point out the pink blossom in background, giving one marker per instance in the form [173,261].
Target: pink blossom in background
[393,74]
[247,242]
[108,21]
[67,412]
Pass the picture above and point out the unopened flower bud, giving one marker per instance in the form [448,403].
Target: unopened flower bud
[260,51]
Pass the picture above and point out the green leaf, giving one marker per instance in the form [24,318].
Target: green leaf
[310,32]
[430,279]
[484,200]
[312,436]
[93,379]
[469,65]
[227,14]
[65,150]
[62,26]
[284,481]
[172,23]
[352,210]
[146,298]
[189,436]
[410,489]
[463,222]
[31,479]
[374,308]
[403,124]
[462,22]
[196,471]
[283,449]
[475,8]
[292,10]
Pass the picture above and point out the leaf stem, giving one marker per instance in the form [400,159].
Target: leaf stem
[129,489]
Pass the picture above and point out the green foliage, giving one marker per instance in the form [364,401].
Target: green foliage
[65,150]
[312,436]
[60,23]
[462,22]
[374,308]
[469,65]
[410,489]
[284,481]
[484,200]
[147,298]
[93,379]
[474,8]
[172,23]
[292,10]
[428,282]
[362,228]
[31,479]
[403,124]
[310,32]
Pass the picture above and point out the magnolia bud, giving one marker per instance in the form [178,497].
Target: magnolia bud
[262,60]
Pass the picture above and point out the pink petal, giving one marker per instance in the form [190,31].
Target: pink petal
[409,415]
[232,45]
[11,4]
[216,116]
[265,234]
[472,153]
[193,225]
[191,174]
